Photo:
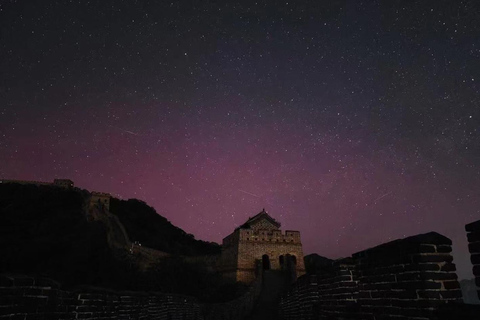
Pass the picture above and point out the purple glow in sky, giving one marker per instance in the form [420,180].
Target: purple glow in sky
[353,122]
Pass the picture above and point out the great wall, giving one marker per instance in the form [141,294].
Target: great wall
[411,278]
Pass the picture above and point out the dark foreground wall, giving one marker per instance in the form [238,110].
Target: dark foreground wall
[473,235]
[27,298]
[411,278]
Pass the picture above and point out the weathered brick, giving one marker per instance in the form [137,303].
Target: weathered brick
[451,294]
[23,281]
[449,285]
[84,316]
[32,291]
[449,267]
[473,236]
[433,258]
[476,270]
[426,248]
[428,294]
[46,282]
[409,276]
[422,267]
[439,275]
[475,258]
[406,303]
[90,296]
[473,227]
[382,278]
[444,249]
[474,247]
[413,285]
[6,281]
[376,286]
[364,295]
[406,294]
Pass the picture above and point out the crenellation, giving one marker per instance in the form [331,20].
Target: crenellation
[265,235]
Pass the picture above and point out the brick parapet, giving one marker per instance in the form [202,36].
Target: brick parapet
[24,297]
[473,236]
[406,278]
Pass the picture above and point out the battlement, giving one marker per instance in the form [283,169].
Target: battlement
[265,235]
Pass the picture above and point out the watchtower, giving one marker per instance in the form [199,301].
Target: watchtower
[101,200]
[260,239]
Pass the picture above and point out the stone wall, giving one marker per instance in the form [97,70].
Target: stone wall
[408,278]
[229,257]
[473,235]
[244,247]
[23,297]
[251,251]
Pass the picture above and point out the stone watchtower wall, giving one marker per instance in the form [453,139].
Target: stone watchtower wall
[408,278]
[230,256]
[473,235]
[261,240]
[254,244]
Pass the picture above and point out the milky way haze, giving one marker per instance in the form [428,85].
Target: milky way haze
[353,122]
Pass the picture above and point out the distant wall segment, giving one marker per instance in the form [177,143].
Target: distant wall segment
[101,200]
[63,183]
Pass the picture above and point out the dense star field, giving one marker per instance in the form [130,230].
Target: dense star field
[353,122]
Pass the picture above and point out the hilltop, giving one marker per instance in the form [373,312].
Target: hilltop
[144,225]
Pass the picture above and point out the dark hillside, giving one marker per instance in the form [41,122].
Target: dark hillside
[43,230]
[145,225]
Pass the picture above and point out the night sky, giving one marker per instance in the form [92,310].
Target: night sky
[353,122]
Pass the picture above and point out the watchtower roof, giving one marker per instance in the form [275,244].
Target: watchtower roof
[262,215]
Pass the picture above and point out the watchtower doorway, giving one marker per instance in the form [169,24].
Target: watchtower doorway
[265,262]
